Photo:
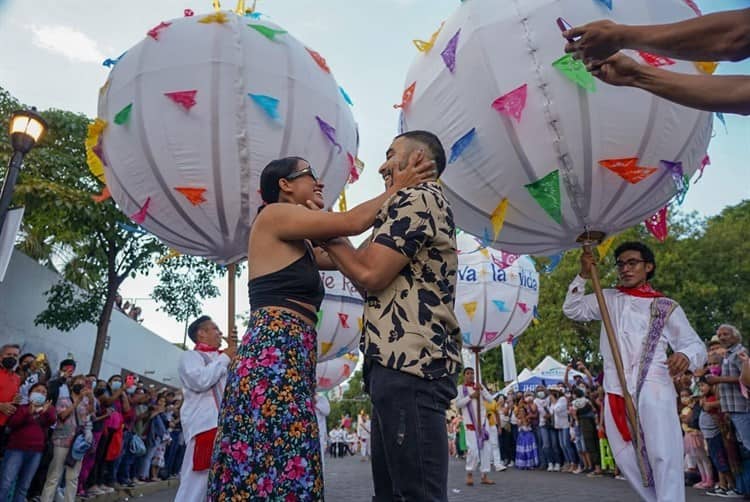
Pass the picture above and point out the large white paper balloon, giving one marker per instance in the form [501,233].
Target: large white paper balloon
[196,110]
[339,318]
[496,294]
[534,140]
[330,374]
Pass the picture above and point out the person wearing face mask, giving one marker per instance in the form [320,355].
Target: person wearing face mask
[24,366]
[546,432]
[28,434]
[9,382]
[119,424]
[73,413]
[647,325]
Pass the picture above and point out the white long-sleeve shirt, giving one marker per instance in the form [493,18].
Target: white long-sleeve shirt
[463,403]
[200,383]
[630,318]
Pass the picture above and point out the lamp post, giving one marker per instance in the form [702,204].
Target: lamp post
[26,127]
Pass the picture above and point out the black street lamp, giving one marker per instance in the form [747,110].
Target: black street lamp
[26,127]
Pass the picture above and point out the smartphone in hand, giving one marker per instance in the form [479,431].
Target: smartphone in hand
[565,26]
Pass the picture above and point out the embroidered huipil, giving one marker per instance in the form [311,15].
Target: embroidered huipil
[630,318]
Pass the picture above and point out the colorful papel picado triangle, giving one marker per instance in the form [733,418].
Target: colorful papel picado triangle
[707,67]
[678,177]
[344,320]
[123,116]
[329,132]
[628,169]
[319,314]
[655,60]
[500,305]
[603,248]
[269,33]
[524,308]
[513,103]
[185,99]
[546,192]
[218,17]
[657,224]
[705,162]
[471,309]
[319,60]
[449,53]
[268,104]
[491,336]
[462,144]
[427,46]
[407,96]
[498,217]
[575,71]
[140,216]
[102,196]
[156,30]
[606,3]
[192,194]
[325,348]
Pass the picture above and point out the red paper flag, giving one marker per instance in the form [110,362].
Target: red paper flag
[344,318]
[184,98]
[353,172]
[705,162]
[324,382]
[628,169]
[512,103]
[140,216]
[319,59]
[490,336]
[154,32]
[510,338]
[102,196]
[692,5]
[194,195]
[657,224]
[524,308]
[407,96]
[346,371]
[655,60]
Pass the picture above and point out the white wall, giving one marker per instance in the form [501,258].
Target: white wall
[132,347]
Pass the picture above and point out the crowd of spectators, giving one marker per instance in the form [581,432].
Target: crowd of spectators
[559,428]
[72,435]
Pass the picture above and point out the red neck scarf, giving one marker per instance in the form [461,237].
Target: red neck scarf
[643,291]
[202,347]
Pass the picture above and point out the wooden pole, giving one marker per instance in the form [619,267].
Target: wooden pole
[616,355]
[478,386]
[231,277]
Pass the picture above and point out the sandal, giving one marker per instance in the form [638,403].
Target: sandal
[487,481]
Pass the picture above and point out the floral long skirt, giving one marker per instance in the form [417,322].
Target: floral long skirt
[267,445]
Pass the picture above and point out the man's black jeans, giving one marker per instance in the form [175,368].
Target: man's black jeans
[409,435]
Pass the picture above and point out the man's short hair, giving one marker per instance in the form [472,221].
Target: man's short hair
[195,326]
[468,368]
[646,254]
[67,362]
[10,346]
[731,328]
[433,144]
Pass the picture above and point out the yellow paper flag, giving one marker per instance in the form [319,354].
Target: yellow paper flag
[423,46]
[485,253]
[342,202]
[172,254]
[471,309]
[217,17]
[326,346]
[498,217]
[707,67]
[93,160]
[360,324]
[603,248]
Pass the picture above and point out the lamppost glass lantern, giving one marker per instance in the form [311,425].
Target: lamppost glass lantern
[26,127]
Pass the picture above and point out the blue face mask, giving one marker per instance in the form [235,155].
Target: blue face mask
[37,398]
[116,385]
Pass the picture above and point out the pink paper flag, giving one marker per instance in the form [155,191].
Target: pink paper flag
[705,162]
[140,216]
[449,53]
[524,308]
[353,172]
[184,98]
[655,60]
[512,103]
[657,224]
[346,370]
[490,336]
[505,260]
[188,12]
[692,5]
[510,338]
[344,318]
[154,32]
[324,382]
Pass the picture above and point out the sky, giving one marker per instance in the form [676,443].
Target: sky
[58,48]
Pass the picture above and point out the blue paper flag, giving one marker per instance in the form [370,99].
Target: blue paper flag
[721,118]
[109,62]
[462,143]
[269,104]
[346,96]
[554,261]
[342,352]
[536,312]
[253,15]
[467,338]
[500,305]
[130,228]
[606,3]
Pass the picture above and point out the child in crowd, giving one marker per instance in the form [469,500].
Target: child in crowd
[693,439]
[708,422]
[527,456]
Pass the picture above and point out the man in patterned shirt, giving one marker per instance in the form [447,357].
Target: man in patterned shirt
[732,399]
[411,339]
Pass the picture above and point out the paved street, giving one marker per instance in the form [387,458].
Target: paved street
[349,480]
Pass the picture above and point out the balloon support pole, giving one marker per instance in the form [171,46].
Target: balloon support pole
[231,289]
[478,386]
[588,240]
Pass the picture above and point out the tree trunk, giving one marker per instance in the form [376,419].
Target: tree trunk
[102,325]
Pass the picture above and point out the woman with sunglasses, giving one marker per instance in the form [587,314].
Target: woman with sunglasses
[267,440]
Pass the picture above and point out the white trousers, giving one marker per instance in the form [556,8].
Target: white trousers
[663,438]
[364,446]
[193,484]
[495,446]
[55,472]
[476,458]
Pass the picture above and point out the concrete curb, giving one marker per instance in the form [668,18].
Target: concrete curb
[126,493]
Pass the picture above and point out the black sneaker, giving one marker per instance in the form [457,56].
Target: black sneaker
[716,492]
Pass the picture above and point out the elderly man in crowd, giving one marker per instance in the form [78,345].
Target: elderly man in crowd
[203,374]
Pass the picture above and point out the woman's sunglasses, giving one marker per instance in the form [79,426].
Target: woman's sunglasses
[303,172]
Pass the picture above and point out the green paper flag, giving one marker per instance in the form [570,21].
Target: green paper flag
[267,32]
[576,72]
[546,191]
[320,318]
[123,115]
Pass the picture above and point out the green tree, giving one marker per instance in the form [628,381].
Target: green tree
[352,402]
